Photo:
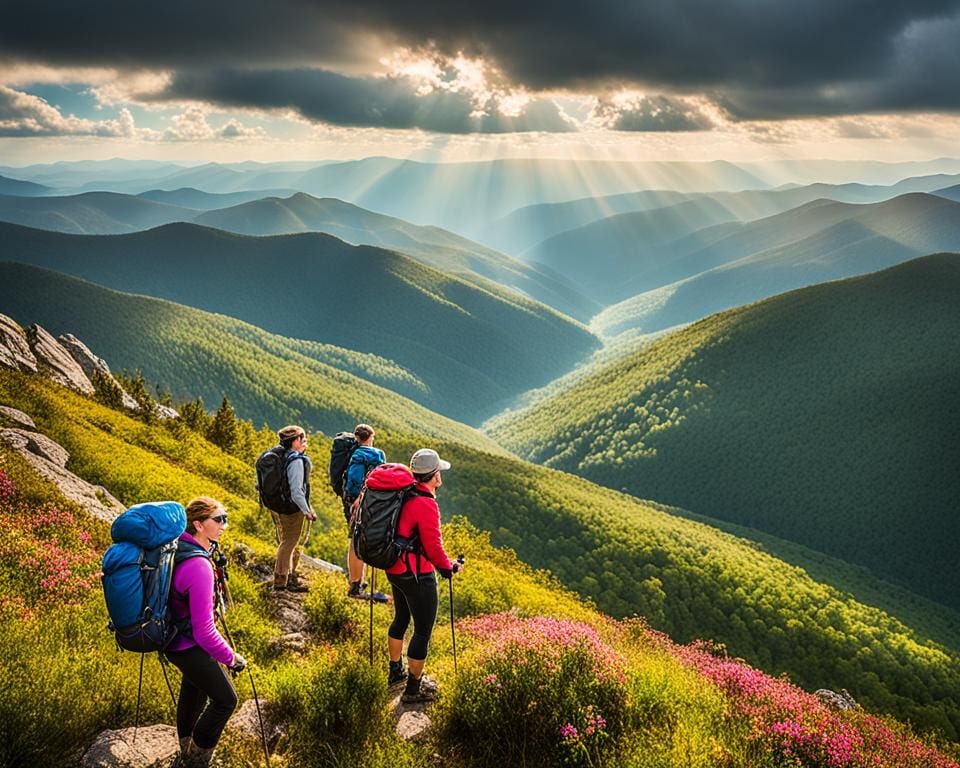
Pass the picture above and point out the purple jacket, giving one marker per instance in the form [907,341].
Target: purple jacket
[192,595]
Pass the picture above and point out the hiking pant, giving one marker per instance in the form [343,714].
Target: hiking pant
[207,698]
[289,530]
[416,598]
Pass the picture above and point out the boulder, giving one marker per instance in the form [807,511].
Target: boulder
[14,350]
[834,700]
[91,364]
[152,746]
[48,459]
[54,362]
[37,444]
[166,412]
[17,417]
[246,722]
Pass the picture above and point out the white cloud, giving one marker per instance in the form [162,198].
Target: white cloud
[23,114]
[192,125]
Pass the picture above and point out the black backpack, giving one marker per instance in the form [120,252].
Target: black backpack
[272,483]
[374,530]
[344,444]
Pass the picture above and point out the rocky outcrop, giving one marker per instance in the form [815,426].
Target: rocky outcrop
[834,700]
[17,417]
[55,362]
[166,412]
[91,364]
[14,350]
[49,459]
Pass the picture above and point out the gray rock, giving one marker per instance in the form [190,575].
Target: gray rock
[842,700]
[293,642]
[14,350]
[48,459]
[37,444]
[246,722]
[18,417]
[411,721]
[166,412]
[91,364]
[154,746]
[54,362]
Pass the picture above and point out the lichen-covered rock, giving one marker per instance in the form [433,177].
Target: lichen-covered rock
[841,700]
[49,459]
[54,362]
[153,746]
[166,412]
[14,350]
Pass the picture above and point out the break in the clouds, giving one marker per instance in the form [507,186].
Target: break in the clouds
[323,59]
[383,102]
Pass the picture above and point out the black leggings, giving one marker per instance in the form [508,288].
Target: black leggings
[418,599]
[203,679]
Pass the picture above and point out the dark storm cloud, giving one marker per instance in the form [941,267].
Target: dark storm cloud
[759,59]
[382,102]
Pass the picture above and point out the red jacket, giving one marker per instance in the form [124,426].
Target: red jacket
[422,515]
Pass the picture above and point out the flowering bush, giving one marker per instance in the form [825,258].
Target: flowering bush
[46,557]
[802,731]
[550,689]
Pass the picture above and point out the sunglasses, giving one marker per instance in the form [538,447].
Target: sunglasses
[222,519]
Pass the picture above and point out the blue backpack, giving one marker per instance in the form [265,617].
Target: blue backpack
[138,573]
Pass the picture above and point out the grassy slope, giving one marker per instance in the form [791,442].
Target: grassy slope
[628,556]
[474,348]
[826,416]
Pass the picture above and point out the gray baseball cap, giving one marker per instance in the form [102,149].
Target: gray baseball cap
[425,461]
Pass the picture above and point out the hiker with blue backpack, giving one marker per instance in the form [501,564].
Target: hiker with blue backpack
[363,459]
[207,697]
[413,575]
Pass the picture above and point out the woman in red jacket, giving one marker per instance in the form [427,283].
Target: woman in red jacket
[414,579]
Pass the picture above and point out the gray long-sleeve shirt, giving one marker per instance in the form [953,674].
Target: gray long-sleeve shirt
[300,482]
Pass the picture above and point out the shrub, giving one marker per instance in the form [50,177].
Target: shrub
[331,618]
[549,689]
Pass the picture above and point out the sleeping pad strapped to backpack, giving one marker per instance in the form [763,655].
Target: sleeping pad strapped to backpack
[374,531]
[138,573]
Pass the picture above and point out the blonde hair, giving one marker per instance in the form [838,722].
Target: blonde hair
[201,508]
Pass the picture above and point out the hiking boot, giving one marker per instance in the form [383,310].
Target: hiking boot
[187,748]
[199,758]
[397,675]
[295,585]
[380,597]
[417,691]
[356,591]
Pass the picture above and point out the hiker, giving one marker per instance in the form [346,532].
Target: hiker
[207,698]
[413,579]
[291,523]
[363,459]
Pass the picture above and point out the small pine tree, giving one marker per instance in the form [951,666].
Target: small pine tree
[194,415]
[223,430]
[136,387]
[106,390]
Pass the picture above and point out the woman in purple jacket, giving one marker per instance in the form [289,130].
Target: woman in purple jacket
[207,698]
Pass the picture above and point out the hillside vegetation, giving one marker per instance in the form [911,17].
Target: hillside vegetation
[555,682]
[827,416]
[473,348]
[628,556]
[268,378]
[814,243]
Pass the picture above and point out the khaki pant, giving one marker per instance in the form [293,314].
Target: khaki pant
[290,529]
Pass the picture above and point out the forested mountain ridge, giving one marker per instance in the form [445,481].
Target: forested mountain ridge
[827,416]
[269,378]
[475,349]
[817,242]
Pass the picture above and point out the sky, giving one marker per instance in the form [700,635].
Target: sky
[233,80]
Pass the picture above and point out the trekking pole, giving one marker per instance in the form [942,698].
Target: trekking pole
[253,687]
[136,719]
[373,587]
[453,632]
